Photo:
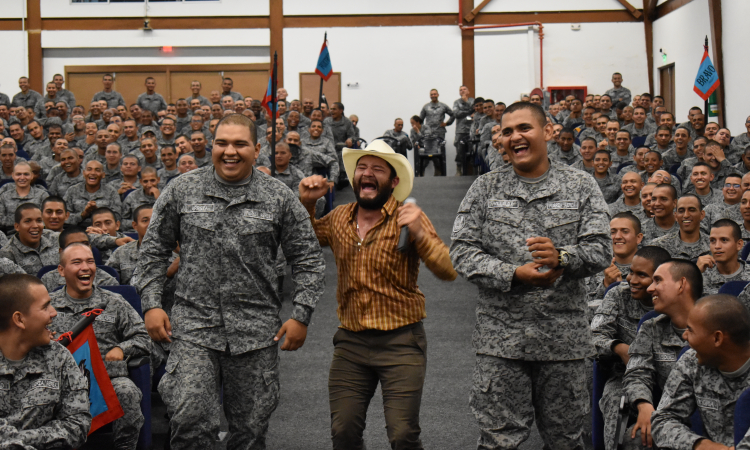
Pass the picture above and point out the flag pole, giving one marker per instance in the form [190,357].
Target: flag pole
[320,96]
[705,102]
[273,116]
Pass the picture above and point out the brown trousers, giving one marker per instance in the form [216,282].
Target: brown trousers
[398,360]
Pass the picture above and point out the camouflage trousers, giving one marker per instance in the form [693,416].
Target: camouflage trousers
[610,406]
[507,394]
[190,389]
[126,428]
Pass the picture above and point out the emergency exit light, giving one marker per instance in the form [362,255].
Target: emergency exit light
[167,49]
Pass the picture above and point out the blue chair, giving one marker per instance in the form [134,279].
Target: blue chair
[648,316]
[674,168]
[139,370]
[741,416]
[110,271]
[132,235]
[44,270]
[125,194]
[638,141]
[6,181]
[733,288]
[624,165]
[97,256]
[745,251]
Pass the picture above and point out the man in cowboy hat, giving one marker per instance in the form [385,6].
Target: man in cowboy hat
[381,337]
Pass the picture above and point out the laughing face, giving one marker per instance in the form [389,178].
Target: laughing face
[639,278]
[30,227]
[524,139]
[78,267]
[689,214]
[372,182]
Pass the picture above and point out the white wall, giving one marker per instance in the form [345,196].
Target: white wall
[338,7]
[12,9]
[736,34]
[681,34]
[395,67]
[158,38]
[501,58]
[64,8]
[553,5]
[15,61]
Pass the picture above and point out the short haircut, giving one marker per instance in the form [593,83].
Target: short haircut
[568,130]
[733,175]
[682,268]
[589,139]
[727,314]
[15,296]
[148,170]
[712,143]
[658,155]
[242,120]
[621,105]
[536,111]
[664,128]
[478,100]
[24,207]
[54,199]
[138,210]
[632,218]
[621,130]
[339,105]
[603,152]
[700,164]
[103,210]
[672,190]
[700,203]
[656,255]
[736,233]
[66,233]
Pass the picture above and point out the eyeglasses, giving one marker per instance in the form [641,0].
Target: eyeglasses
[730,185]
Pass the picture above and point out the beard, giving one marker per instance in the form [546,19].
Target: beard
[375,203]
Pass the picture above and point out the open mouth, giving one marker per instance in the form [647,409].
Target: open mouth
[85,279]
[368,186]
[520,149]
[230,163]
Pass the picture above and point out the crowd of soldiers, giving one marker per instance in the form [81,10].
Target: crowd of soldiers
[594,213]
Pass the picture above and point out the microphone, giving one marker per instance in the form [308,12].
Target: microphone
[403,240]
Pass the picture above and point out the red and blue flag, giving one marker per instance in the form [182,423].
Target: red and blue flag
[707,79]
[268,98]
[324,68]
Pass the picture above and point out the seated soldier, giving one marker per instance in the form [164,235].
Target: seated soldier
[624,152]
[708,378]
[625,231]
[723,264]
[83,198]
[663,140]
[663,203]
[54,213]
[646,192]
[145,195]
[200,153]
[652,162]
[120,333]
[169,169]
[567,152]
[52,280]
[285,172]
[21,191]
[730,207]
[689,241]
[743,166]
[700,185]
[609,184]
[31,248]
[98,152]
[588,151]
[104,223]
[44,401]
[630,186]
[720,165]
[614,329]
[745,211]
[130,167]
[71,175]
[146,155]
[124,259]
[310,162]
[51,164]
[186,163]
[677,284]
[680,151]
[8,159]
[112,168]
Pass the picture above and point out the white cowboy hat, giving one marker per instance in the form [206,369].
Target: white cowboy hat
[382,150]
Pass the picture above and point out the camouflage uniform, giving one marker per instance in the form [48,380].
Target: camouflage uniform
[651,230]
[341,129]
[618,159]
[10,200]
[591,133]
[678,248]
[308,160]
[485,137]
[671,157]
[7,266]
[662,151]
[33,259]
[579,165]
[610,187]
[165,176]
[432,115]
[324,147]
[203,161]
[522,329]
[570,157]
[635,132]
[129,147]
[713,280]
[573,122]
[131,203]
[67,96]
[619,206]
[692,386]
[38,147]
[62,182]
[226,310]
[77,197]
[152,102]
[718,211]
[92,154]
[462,111]
[740,168]
[619,93]
[714,196]
[653,353]
[615,322]
[117,326]
[685,170]
[52,280]
[402,138]
[124,259]
[595,285]
[113,98]
[29,99]
[43,400]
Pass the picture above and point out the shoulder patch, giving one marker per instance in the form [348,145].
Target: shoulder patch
[514,204]
[563,204]
[198,208]
[459,223]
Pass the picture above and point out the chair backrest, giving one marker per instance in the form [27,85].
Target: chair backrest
[649,315]
[97,256]
[125,194]
[741,416]
[682,352]
[129,293]
[624,165]
[615,284]
[733,288]
[45,270]
[132,235]
[745,251]
[6,181]
[110,270]
[638,141]
[673,168]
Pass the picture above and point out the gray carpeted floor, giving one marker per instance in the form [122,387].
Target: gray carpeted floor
[302,420]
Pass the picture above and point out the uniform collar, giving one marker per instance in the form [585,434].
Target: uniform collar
[253,191]
[44,243]
[546,188]
[34,363]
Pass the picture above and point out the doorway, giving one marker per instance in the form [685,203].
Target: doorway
[666,86]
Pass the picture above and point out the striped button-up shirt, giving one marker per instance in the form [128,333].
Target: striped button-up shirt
[377,284]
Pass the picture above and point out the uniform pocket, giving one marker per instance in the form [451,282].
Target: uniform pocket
[562,226]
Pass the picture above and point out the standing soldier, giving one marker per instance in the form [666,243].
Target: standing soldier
[462,109]
[432,115]
[229,220]
[528,234]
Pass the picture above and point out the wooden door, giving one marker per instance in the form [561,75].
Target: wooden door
[181,81]
[666,86]
[310,87]
[84,85]
[132,84]
[249,83]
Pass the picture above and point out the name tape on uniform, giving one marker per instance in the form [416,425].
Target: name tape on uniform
[563,204]
[707,403]
[106,318]
[664,357]
[254,214]
[199,208]
[514,204]
[46,384]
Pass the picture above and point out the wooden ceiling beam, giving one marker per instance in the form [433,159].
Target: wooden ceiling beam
[637,14]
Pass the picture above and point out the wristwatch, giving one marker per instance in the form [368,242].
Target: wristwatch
[563,258]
